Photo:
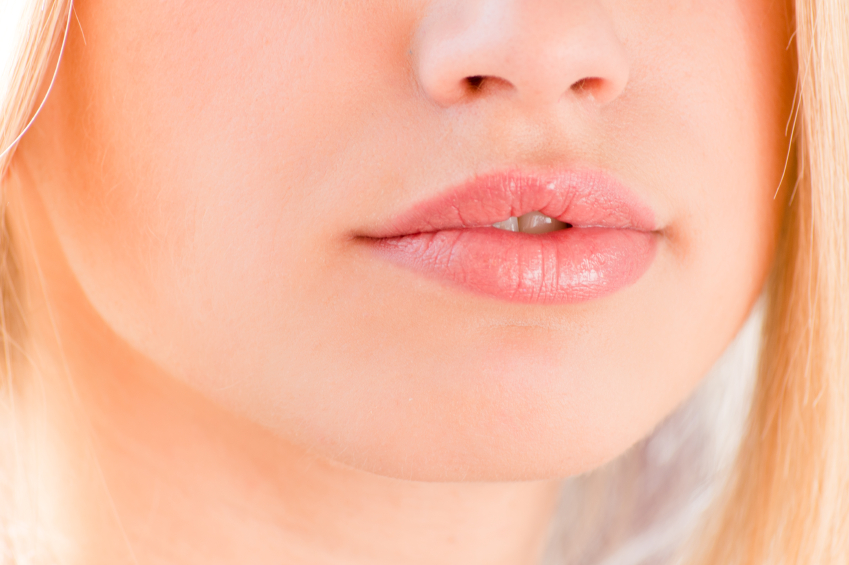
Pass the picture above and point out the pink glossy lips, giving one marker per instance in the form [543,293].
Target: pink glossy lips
[610,245]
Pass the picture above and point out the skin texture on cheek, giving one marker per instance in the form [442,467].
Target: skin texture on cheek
[215,167]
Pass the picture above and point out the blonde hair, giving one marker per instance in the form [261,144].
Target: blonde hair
[43,25]
[788,499]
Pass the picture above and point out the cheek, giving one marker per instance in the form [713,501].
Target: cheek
[710,117]
[199,154]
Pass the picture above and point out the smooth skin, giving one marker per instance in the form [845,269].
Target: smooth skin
[237,377]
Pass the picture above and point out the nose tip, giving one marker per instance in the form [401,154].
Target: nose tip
[539,51]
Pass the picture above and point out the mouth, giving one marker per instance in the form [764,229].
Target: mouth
[532,222]
[559,238]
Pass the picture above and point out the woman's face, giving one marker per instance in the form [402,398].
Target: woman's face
[226,177]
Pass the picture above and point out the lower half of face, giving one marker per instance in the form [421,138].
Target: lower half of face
[230,180]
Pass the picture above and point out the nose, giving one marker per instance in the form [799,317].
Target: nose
[537,50]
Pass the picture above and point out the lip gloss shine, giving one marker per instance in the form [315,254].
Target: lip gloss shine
[611,242]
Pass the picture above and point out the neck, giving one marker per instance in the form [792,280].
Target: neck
[149,471]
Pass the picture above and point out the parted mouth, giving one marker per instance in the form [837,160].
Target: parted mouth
[526,203]
[579,235]
[532,222]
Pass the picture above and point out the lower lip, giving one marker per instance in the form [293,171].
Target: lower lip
[561,267]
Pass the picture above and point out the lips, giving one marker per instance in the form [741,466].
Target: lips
[611,242]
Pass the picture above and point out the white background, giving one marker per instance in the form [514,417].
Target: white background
[10,18]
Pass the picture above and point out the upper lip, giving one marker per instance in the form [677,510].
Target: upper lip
[582,198]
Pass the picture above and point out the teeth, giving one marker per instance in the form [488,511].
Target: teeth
[535,222]
[510,224]
[532,222]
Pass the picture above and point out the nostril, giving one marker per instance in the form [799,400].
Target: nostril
[587,85]
[475,82]
[478,84]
